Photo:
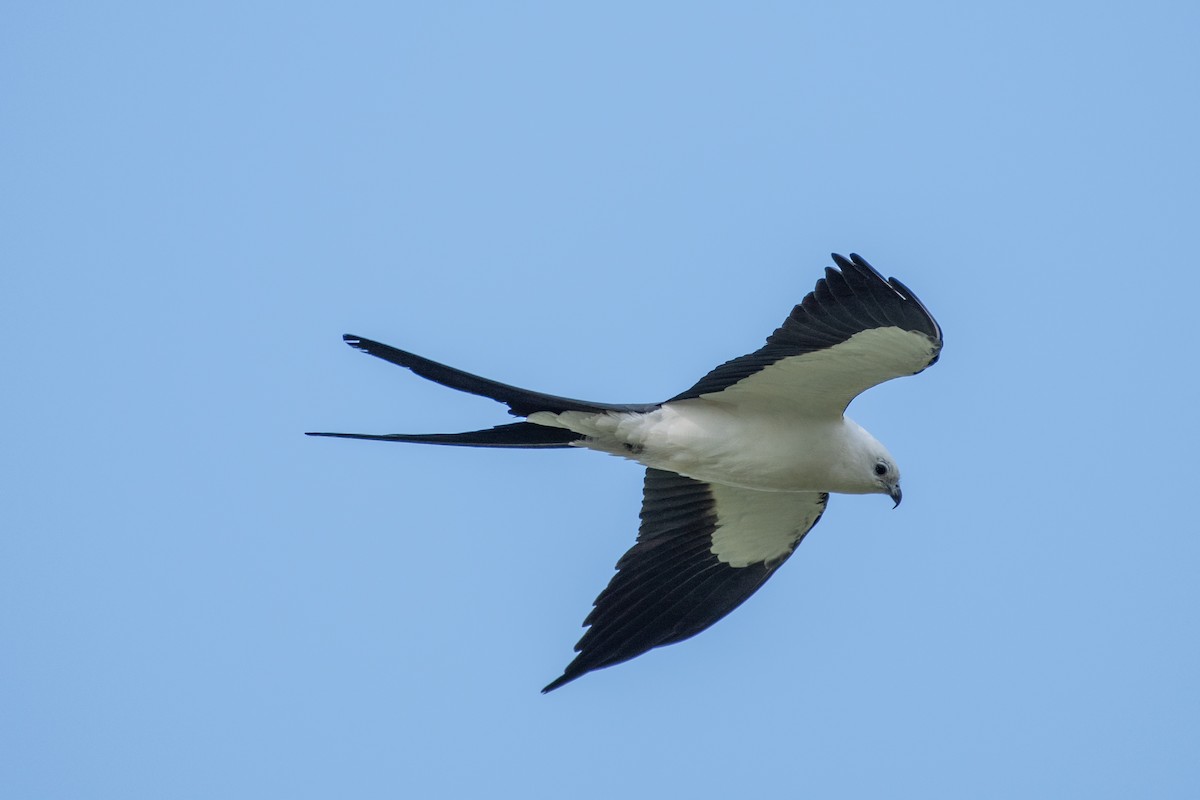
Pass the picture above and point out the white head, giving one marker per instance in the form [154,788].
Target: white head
[886,475]
[869,467]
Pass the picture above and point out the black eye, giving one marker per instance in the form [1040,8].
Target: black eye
[881,470]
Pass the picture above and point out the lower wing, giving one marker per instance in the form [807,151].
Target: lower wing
[701,551]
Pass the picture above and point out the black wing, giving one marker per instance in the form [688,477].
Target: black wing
[702,550]
[846,303]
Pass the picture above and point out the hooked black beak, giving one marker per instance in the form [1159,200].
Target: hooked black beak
[896,495]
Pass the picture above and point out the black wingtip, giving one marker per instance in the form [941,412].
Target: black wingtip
[855,260]
[862,263]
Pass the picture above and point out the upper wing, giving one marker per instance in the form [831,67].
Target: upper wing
[702,549]
[853,331]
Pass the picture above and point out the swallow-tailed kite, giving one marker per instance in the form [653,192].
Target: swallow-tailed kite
[738,468]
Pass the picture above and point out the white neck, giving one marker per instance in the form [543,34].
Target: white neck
[709,442]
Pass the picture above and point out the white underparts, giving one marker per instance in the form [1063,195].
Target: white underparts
[780,429]
[743,447]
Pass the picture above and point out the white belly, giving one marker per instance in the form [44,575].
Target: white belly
[765,449]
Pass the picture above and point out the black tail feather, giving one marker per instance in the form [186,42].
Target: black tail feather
[520,402]
[518,434]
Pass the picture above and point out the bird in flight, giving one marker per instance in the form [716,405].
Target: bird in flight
[739,467]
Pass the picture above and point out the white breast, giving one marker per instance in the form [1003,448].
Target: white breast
[719,443]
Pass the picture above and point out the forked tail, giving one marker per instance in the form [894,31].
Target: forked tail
[520,402]
[518,434]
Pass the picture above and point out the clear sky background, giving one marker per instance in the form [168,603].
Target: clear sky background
[196,601]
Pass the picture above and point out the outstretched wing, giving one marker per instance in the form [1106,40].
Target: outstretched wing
[856,329]
[702,550]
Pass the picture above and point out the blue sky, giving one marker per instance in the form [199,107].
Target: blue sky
[199,199]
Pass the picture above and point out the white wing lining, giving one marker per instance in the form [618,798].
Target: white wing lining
[756,527]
